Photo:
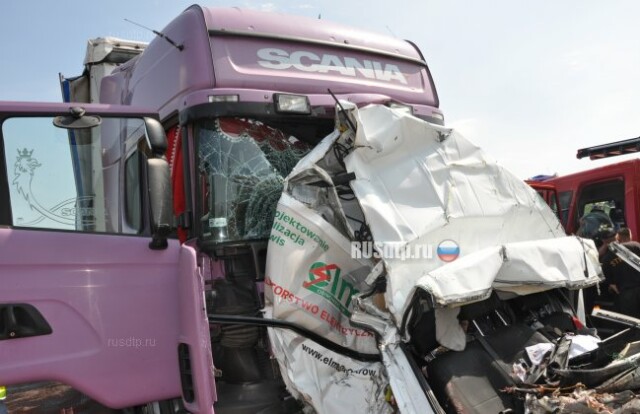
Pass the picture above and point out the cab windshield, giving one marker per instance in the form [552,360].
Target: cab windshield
[242,164]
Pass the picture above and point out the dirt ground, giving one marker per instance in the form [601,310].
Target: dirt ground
[51,398]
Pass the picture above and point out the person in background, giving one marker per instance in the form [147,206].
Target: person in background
[623,235]
[606,238]
[624,280]
[597,226]
[616,214]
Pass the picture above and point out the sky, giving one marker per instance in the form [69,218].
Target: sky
[529,82]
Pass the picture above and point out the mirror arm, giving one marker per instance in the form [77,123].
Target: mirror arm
[159,237]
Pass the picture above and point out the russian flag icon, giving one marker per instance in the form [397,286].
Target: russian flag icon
[448,250]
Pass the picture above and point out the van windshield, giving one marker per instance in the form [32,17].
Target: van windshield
[242,164]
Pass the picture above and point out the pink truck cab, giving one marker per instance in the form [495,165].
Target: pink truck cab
[128,306]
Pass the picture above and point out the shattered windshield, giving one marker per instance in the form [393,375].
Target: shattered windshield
[242,164]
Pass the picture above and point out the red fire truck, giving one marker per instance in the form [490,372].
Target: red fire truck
[614,189]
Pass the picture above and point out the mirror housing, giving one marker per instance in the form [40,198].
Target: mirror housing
[156,138]
[160,202]
[159,181]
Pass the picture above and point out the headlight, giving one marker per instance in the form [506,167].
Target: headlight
[295,104]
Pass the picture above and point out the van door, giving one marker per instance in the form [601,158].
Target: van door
[83,299]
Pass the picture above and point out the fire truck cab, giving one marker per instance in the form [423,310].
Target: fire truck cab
[613,189]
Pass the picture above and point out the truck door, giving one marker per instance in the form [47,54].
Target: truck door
[84,300]
[549,195]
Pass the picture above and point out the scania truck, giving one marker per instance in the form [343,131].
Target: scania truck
[232,88]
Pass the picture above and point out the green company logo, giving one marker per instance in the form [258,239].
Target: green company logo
[325,280]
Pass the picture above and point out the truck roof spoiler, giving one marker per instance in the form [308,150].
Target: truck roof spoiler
[627,146]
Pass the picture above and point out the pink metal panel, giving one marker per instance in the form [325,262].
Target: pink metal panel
[252,50]
[195,332]
[253,63]
[238,19]
[112,304]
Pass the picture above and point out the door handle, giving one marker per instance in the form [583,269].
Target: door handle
[21,320]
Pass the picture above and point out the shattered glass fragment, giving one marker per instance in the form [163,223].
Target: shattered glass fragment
[242,164]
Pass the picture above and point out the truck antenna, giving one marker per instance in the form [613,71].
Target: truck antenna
[391,31]
[159,34]
[346,117]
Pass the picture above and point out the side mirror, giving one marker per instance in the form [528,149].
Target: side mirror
[161,202]
[156,138]
[159,179]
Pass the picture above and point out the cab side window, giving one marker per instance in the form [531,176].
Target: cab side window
[606,197]
[45,189]
[70,179]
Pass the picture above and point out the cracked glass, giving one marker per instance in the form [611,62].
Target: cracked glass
[242,164]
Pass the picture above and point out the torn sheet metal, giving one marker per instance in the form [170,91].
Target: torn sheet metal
[520,267]
[582,400]
[405,186]
[326,381]
[311,279]
[403,377]
[603,382]
[329,382]
[423,184]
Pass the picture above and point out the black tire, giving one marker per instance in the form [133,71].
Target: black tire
[158,407]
